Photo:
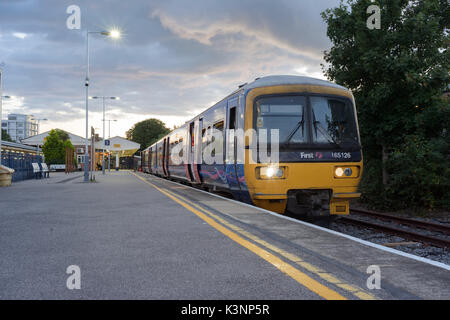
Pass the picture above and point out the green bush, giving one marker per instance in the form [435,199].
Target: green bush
[419,174]
[54,148]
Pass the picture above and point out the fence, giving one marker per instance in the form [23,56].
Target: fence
[21,163]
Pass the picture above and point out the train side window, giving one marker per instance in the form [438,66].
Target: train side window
[192,133]
[232,120]
[205,133]
[219,126]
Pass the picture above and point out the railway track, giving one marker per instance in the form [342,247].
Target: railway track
[414,225]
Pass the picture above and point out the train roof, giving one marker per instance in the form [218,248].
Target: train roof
[287,80]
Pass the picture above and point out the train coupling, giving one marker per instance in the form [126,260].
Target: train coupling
[309,202]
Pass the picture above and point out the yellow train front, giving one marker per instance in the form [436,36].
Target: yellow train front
[320,158]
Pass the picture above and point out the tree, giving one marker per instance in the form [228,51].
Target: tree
[6,136]
[54,148]
[62,135]
[147,132]
[397,74]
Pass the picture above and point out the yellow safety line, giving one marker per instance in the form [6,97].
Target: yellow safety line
[284,267]
[359,293]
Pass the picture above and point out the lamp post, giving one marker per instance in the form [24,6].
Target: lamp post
[103,98]
[113,34]
[38,120]
[109,136]
[1,102]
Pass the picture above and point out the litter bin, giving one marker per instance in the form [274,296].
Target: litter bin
[5,176]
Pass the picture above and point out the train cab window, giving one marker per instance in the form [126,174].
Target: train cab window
[285,113]
[333,121]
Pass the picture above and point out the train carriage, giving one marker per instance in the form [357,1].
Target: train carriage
[320,158]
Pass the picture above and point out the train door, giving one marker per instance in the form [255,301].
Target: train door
[189,147]
[231,146]
[154,159]
[166,156]
[163,167]
[159,169]
[149,154]
[197,155]
[194,151]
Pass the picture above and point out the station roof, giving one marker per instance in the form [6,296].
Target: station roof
[122,146]
[39,139]
[18,146]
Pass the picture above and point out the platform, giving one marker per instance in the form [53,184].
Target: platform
[136,236]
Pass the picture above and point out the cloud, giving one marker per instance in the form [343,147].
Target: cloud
[294,26]
[176,57]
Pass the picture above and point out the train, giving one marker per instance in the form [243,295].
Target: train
[319,154]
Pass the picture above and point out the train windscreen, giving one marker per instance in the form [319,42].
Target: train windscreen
[333,121]
[307,121]
[286,113]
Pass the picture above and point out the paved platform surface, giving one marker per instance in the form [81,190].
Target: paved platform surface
[135,236]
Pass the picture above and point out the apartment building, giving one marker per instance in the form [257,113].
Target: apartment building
[20,126]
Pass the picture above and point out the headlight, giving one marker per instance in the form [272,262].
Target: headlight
[346,172]
[339,172]
[270,172]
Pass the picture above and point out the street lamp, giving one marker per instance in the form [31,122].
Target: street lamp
[113,34]
[1,126]
[38,120]
[103,98]
[109,136]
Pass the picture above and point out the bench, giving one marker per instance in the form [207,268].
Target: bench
[37,170]
[45,171]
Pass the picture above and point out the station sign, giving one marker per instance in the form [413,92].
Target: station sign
[107,143]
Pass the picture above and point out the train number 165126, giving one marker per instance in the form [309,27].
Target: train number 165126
[341,155]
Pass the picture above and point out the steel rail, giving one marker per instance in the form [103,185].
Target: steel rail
[442,243]
[405,221]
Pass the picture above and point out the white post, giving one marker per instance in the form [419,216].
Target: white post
[37,146]
[117,161]
[86,154]
[103,164]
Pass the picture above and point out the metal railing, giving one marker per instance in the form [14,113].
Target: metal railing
[21,163]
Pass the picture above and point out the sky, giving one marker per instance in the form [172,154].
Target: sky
[175,57]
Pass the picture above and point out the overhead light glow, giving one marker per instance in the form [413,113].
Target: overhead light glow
[114,34]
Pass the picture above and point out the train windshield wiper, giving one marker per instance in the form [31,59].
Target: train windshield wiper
[301,124]
[324,132]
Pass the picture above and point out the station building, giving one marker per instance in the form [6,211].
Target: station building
[118,150]
[20,148]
